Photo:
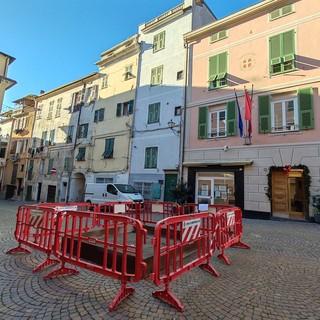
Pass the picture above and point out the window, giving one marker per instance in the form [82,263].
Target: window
[39,110]
[156,76]
[125,108]
[66,165]
[51,137]
[83,131]
[30,170]
[179,75]
[77,100]
[282,52]
[278,13]
[177,111]
[128,72]
[154,113]
[218,36]
[92,93]
[287,114]
[151,157]
[50,166]
[104,180]
[215,123]
[144,188]
[218,71]
[108,149]
[44,141]
[104,81]
[99,115]
[70,134]
[284,115]
[81,156]
[58,110]
[2,152]
[51,105]
[159,41]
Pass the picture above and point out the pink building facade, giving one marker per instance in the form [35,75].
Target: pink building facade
[271,168]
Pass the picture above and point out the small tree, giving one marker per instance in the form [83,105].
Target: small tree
[182,193]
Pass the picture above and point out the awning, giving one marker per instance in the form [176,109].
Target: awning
[218,162]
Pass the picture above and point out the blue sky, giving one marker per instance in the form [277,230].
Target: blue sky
[59,41]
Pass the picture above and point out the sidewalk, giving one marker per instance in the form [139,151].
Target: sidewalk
[278,278]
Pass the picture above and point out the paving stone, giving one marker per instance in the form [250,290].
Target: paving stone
[276,279]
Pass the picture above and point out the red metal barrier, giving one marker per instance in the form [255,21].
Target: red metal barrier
[152,212]
[35,228]
[214,208]
[113,250]
[189,208]
[229,231]
[180,244]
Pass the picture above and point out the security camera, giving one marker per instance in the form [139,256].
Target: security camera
[225,148]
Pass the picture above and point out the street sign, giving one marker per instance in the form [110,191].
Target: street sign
[53,170]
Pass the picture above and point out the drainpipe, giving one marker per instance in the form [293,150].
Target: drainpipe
[74,148]
[184,115]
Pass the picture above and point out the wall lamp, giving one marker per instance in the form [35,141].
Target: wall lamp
[172,125]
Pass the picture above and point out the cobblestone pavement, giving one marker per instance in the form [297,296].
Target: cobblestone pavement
[278,278]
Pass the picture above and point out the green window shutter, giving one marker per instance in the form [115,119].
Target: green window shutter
[288,44]
[202,124]
[108,149]
[95,119]
[305,102]
[119,107]
[264,114]
[222,62]
[213,68]
[153,76]
[130,108]
[275,50]
[231,118]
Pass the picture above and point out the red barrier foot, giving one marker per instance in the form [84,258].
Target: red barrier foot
[208,267]
[224,258]
[240,245]
[46,263]
[122,294]
[18,249]
[60,271]
[167,296]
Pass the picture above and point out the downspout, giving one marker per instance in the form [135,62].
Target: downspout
[134,110]
[184,114]
[74,148]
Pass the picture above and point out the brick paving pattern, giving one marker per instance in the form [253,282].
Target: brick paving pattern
[278,278]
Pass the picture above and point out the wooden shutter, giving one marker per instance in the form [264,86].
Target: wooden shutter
[231,118]
[119,107]
[288,45]
[213,68]
[202,123]
[264,114]
[275,50]
[305,102]
[130,106]
[222,63]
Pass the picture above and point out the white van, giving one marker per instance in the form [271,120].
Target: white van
[111,192]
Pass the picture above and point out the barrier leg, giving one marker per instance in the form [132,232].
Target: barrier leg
[61,271]
[122,294]
[46,263]
[18,249]
[240,245]
[209,268]
[223,257]
[167,296]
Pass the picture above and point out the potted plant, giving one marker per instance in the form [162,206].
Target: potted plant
[182,193]
[317,210]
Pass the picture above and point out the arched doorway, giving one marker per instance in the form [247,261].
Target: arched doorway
[77,189]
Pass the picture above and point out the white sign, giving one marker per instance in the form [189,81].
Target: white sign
[191,230]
